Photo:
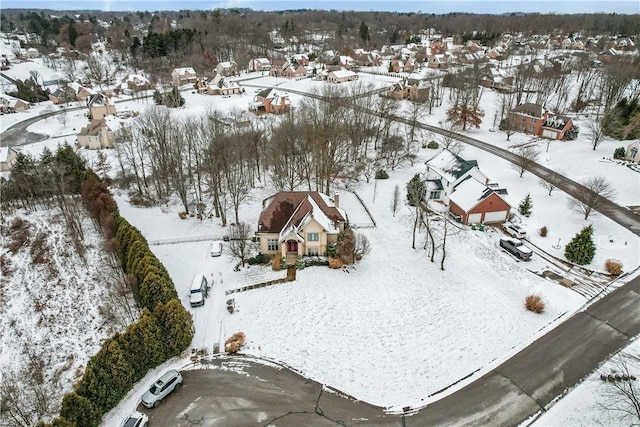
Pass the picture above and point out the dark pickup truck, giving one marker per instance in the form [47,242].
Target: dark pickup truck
[516,247]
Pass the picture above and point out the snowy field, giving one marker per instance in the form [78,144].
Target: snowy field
[395,329]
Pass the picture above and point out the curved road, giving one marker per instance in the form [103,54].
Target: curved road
[235,391]
[511,393]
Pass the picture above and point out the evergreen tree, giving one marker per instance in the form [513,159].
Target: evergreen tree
[177,327]
[619,153]
[78,411]
[416,190]
[364,32]
[108,376]
[158,98]
[581,249]
[526,206]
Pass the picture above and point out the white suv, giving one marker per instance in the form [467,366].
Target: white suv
[515,231]
[170,381]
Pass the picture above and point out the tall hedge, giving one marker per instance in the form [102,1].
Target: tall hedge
[164,329]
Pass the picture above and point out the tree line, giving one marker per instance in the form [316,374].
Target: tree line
[164,328]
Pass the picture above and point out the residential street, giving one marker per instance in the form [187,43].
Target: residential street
[237,391]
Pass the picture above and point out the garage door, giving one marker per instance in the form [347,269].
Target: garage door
[474,218]
[549,134]
[499,216]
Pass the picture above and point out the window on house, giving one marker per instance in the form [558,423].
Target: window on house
[272,244]
[312,251]
[434,195]
[531,128]
[313,237]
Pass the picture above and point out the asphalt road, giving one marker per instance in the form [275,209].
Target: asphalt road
[238,392]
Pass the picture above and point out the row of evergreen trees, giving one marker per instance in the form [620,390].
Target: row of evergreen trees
[164,329]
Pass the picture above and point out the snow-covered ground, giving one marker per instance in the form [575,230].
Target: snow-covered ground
[395,329]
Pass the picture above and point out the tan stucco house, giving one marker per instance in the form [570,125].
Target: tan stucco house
[100,133]
[299,223]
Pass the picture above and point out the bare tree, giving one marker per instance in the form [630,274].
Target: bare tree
[596,133]
[551,181]
[448,139]
[395,201]
[362,248]
[96,70]
[239,241]
[526,155]
[592,195]
[621,392]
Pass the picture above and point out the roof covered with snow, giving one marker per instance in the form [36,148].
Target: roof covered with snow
[450,166]
[470,192]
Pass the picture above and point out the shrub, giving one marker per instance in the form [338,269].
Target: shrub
[619,153]
[613,267]
[300,263]
[335,263]
[534,303]
[234,342]
[433,145]
[382,174]
[544,231]
[259,259]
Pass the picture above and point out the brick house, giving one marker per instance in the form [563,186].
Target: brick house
[534,119]
[270,101]
[474,202]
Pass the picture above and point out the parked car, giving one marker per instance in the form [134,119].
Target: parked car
[516,247]
[216,248]
[198,291]
[515,231]
[137,419]
[170,381]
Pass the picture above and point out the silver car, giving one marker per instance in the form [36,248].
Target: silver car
[167,383]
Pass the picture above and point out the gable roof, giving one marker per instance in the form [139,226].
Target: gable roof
[471,192]
[291,210]
[535,110]
[450,166]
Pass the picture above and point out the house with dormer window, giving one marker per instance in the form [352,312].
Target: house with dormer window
[446,170]
[299,223]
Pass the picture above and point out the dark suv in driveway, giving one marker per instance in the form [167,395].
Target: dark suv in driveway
[515,247]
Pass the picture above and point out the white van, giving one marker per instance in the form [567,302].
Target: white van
[198,291]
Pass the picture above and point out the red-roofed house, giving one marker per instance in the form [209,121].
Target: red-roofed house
[298,223]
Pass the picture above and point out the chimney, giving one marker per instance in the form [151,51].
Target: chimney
[336,199]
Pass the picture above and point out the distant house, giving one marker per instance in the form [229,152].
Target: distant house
[400,65]
[270,101]
[82,92]
[7,158]
[227,68]
[632,153]
[534,119]
[413,89]
[100,133]
[260,64]
[180,76]
[298,223]
[341,76]
[287,69]
[301,59]
[367,59]
[347,62]
[11,104]
[32,52]
[134,83]
[100,106]
[62,95]
[495,78]
[475,202]
[221,86]
[446,170]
